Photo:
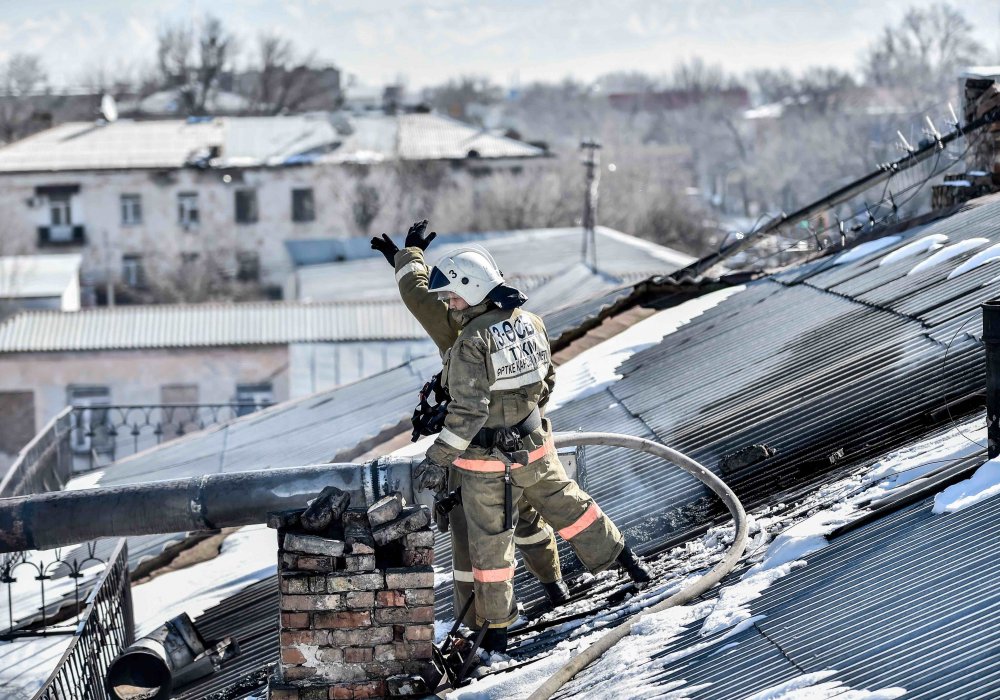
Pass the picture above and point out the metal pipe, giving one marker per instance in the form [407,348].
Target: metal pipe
[44,521]
[591,653]
[147,669]
[991,338]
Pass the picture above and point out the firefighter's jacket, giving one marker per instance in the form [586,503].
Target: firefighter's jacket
[496,366]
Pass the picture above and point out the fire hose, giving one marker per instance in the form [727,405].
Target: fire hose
[712,577]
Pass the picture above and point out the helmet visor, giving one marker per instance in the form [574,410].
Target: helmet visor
[438,280]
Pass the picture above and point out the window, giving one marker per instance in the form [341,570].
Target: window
[133,273]
[250,397]
[187,209]
[60,218]
[90,423]
[247,266]
[131,205]
[303,206]
[246,206]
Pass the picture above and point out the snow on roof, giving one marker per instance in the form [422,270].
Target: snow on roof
[226,142]
[981,258]
[917,247]
[206,325]
[948,253]
[34,276]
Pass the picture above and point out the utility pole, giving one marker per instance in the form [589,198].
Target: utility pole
[108,281]
[591,162]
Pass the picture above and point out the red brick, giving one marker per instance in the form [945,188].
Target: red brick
[314,602]
[419,596]
[294,584]
[358,655]
[357,582]
[385,652]
[400,651]
[292,656]
[419,633]
[424,613]
[360,599]
[361,637]
[410,577]
[390,599]
[297,673]
[295,620]
[375,689]
[314,637]
[341,692]
[337,620]
[334,655]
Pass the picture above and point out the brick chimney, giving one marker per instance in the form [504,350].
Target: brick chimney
[357,600]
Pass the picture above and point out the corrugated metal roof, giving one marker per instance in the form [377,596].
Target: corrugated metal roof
[33,276]
[255,142]
[206,325]
[551,255]
[801,363]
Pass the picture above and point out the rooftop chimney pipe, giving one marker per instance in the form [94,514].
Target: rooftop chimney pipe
[991,338]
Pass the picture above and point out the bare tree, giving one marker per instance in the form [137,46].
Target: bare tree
[21,77]
[455,97]
[281,80]
[192,62]
[923,53]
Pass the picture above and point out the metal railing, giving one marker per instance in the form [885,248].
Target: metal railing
[45,463]
[100,435]
[107,627]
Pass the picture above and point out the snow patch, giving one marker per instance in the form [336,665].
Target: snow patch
[595,369]
[985,257]
[811,686]
[984,484]
[866,249]
[246,556]
[88,480]
[922,245]
[784,555]
[946,254]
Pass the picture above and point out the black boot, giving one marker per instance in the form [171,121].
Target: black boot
[557,591]
[495,640]
[634,566]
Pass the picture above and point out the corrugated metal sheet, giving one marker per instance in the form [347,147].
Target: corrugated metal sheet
[206,325]
[908,600]
[830,381]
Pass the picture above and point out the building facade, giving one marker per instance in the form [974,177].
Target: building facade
[158,203]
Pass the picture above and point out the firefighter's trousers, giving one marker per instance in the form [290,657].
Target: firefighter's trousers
[483,552]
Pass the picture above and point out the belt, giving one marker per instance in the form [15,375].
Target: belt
[486,437]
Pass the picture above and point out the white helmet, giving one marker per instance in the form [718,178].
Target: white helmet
[469,272]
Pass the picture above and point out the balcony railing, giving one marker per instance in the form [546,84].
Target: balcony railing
[100,435]
[105,629]
[61,235]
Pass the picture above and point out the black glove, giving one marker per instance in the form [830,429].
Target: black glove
[415,236]
[430,476]
[385,246]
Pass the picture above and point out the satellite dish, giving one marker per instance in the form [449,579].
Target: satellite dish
[109,110]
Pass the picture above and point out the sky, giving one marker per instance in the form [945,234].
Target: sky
[509,41]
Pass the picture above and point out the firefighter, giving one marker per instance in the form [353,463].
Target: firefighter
[532,536]
[495,444]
